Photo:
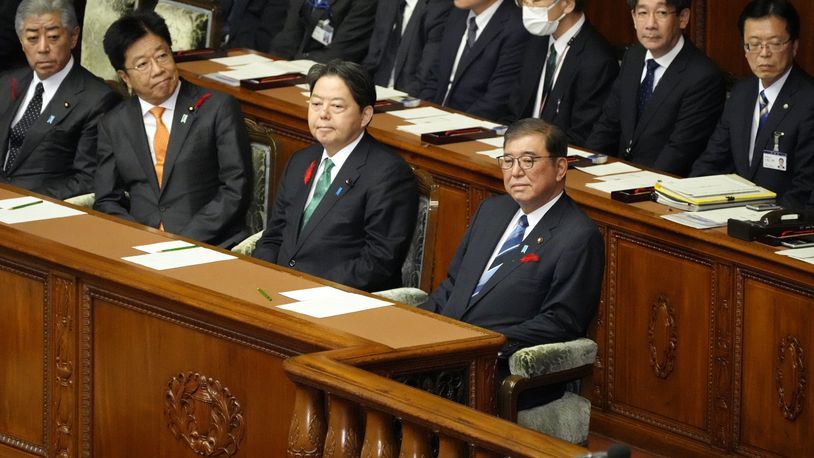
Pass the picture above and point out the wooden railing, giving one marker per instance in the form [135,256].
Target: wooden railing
[344,411]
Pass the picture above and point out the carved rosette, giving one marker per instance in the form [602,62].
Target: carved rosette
[662,360]
[192,399]
[792,405]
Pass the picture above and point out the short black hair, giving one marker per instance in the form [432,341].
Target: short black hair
[556,142]
[357,79]
[679,5]
[130,28]
[758,9]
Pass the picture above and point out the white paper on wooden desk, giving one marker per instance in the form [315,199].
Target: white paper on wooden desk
[163,246]
[39,210]
[181,258]
[609,169]
[631,180]
[714,218]
[798,253]
[578,152]
[420,112]
[308,294]
[243,59]
[388,93]
[444,123]
[494,141]
[301,65]
[260,70]
[493,153]
[339,303]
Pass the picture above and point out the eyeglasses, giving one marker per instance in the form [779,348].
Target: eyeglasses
[758,46]
[660,15]
[147,64]
[526,162]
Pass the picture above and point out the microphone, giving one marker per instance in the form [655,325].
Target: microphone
[614,451]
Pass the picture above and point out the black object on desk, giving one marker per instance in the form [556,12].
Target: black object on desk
[630,196]
[270,82]
[457,135]
[774,227]
[197,54]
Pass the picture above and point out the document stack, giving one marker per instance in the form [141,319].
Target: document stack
[707,193]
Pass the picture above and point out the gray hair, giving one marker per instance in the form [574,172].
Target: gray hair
[30,8]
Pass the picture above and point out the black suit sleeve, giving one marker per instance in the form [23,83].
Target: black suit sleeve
[80,180]
[109,189]
[604,137]
[493,104]
[436,17]
[717,158]
[589,96]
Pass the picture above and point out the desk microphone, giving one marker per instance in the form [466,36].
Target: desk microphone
[614,451]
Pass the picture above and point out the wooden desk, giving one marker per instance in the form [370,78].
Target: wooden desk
[703,339]
[102,357]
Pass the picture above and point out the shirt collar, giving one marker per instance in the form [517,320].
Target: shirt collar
[485,16]
[51,84]
[342,155]
[537,215]
[561,43]
[667,59]
[168,104]
[773,91]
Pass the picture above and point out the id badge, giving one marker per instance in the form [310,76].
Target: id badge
[775,160]
[323,32]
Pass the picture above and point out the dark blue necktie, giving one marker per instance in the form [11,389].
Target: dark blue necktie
[763,101]
[507,250]
[18,132]
[646,88]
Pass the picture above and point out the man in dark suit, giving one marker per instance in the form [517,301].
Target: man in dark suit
[405,41]
[773,146]
[567,72]
[530,264]
[176,156]
[323,30]
[252,23]
[667,97]
[481,53]
[346,208]
[49,111]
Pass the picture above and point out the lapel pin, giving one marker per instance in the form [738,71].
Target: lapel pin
[51,119]
[347,181]
[184,118]
[67,104]
[339,191]
[539,240]
[525,247]
[191,109]
[785,106]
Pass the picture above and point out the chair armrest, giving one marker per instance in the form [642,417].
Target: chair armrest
[409,296]
[82,200]
[246,247]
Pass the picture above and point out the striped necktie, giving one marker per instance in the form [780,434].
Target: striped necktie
[763,101]
[508,249]
[550,67]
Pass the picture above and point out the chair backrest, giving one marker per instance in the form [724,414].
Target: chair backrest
[264,154]
[418,267]
[193,24]
[99,14]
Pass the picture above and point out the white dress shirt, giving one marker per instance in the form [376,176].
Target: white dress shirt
[771,94]
[561,45]
[338,159]
[149,120]
[49,89]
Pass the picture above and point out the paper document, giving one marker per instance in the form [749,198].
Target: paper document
[493,153]
[388,93]
[798,253]
[27,209]
[173,245]
[252,71]
[444,123]
[243,59]
[609,169]
[301,65]
[716,185]
[714,218]
[178,258]
[633,180]
[325,301]
[421,112]
[494,141]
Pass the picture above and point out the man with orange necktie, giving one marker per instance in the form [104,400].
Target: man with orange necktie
[176,156]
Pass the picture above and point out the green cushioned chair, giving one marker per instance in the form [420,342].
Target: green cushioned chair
[83,200]
[567,418]
[264,159]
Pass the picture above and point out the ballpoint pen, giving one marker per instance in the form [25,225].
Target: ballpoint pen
[25,205]
[264,293]
[178,248]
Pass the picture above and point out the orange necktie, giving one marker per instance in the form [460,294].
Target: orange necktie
[160,140]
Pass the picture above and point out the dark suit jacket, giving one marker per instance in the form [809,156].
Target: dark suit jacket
[57,158]
[418,48]
[207,168]
[550,299]
[254,23]
[584,82]
[793,114]
[359,233]
[352,21]
[677,121]
[486,75]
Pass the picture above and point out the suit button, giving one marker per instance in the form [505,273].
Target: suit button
[291,263]
[162,209]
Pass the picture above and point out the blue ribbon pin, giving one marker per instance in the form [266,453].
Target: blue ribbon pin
[339,191]
[51,119]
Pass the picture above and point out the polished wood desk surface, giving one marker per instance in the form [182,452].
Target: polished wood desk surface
[237,280]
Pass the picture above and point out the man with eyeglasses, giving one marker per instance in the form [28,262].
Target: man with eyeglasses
[568,69]
[667,97]
[766,133]
[346,207]
[176,156]
[530,264]
[49,110]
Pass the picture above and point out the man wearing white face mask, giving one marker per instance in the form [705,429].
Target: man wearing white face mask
[568,68]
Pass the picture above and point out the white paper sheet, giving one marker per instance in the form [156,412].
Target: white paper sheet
[453,122]
[388,93]
[495,141]
[244,59]
[302,65]
[164,246]
[715,185]
[308,294]
[798,253]
[35,209]
[416,113]
[714,218]
[326,301]
[632,180]
[180,258]
[609,169]
[493,153]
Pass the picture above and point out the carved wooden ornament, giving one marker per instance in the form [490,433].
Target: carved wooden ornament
[662,360]
[192,399]
[791,346]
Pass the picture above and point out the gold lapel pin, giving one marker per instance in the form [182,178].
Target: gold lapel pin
[67,104]
[785,106]
[539,240]
[191,109]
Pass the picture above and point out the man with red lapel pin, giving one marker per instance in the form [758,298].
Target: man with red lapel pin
[49,110]
[346,207]
[175,156]
[530,264]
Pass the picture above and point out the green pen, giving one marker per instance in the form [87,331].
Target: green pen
[178,248]
[25,205]
[264,294]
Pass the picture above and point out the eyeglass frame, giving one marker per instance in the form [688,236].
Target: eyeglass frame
[766,45]
[660,15]
[148,64]
[501,161]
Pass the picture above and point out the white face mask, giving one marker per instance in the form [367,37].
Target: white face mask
[536,20]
